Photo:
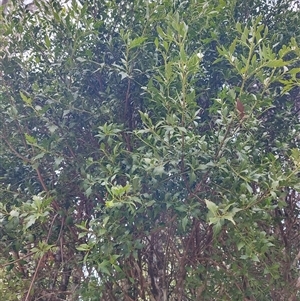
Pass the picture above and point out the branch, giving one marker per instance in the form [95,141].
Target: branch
[14,151]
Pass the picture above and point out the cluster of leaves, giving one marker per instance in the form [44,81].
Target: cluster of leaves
[126,170]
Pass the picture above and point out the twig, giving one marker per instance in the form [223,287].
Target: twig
[14,151]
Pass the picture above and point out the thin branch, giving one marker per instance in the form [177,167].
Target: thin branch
[14,151]
[33,278]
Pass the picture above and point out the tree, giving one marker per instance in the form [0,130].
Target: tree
[150,151]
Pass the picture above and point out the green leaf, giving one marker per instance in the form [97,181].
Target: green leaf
[159,170]
[105,221]
[232,46]
[39,156]
[136,42]
[255,258]
[26,99]
[212,207]
[276,63]
[84,247]
[217,227]
[240,245]
[47,41]
[30,220]
[30,139]
[88,191]
[239,27]
[184,222]
[103,267]
[229,216]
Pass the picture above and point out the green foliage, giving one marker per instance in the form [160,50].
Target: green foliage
[129,171]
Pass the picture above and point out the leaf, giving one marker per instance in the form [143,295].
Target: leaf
[184,222]
[232,46]
[103,267]
[240,245]
[229,216]
[88,191]
[159,170]
[255,258]
[160,31]
[181,208]
[276,63]
[30,139]
[105,220]
[156,43]
[30,220]
[58,161]
[217,228]
[26,99]
[168,70]
[39,156]
[123,74]
[52,128]
[47,41]
[81,59]
[239,27]
[119,190]
[214,219]
[294,71]
[14,213]
[137,42]
[84,247]
[81,235]
[82,227]
[212,207]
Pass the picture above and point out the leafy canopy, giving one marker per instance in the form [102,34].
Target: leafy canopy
[149,150]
